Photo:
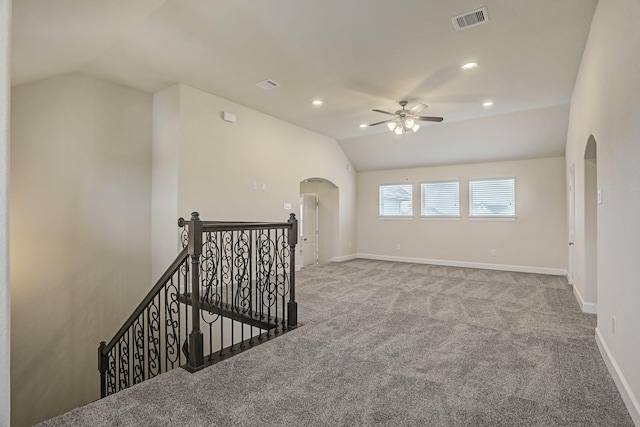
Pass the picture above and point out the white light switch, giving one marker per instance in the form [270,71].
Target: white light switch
[599,196]
[287,206]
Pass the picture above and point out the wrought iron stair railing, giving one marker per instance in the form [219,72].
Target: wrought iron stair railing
[242,276]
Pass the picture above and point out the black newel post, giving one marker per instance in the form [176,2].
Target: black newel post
[292,306]
[103,362]
[196,346]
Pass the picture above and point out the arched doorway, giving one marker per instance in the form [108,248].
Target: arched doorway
[592,197]
[319,226]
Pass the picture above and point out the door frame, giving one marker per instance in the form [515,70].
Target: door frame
[316,229]
[572,224]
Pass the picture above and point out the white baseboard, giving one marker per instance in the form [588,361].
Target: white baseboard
[344,258]
[628,397]
[484,266]
[587,307]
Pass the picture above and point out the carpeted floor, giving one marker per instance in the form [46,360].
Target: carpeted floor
[397,344]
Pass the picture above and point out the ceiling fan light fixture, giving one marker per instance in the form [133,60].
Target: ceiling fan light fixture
[405,120]
[409,123]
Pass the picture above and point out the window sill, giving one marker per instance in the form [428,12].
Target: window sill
[439,218]
[492,218]
[395,218]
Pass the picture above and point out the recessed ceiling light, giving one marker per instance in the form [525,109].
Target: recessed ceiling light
[470,66]
[317,102]
[363,125]
[487,104]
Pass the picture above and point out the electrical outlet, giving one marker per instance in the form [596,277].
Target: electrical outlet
[493,252]
[398,246]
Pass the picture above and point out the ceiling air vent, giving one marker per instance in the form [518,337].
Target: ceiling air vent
[470,19]
[267,84]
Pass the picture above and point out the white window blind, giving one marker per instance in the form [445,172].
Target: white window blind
[492,197]
[396,200]
[440,198]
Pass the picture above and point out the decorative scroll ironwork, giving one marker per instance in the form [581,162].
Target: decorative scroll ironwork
[184,235]
[237,286]
[210,278]
[172,316]
[242,276]
[111,373]
[138,350]
[153,322]
[123,362]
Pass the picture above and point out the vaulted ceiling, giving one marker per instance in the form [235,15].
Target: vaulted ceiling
[355,55]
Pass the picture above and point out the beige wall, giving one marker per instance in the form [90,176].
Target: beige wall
[605,105]
[5,307]
[166,120]
[535,241]
[219,162]
[80,234]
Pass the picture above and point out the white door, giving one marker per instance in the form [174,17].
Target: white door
[309,229]
[572,221]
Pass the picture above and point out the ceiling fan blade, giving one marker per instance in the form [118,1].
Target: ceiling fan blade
[417,108]
[379,123]
[384,112]
[428,119]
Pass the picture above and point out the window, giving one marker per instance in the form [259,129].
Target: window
[396,200]
[440,198]
[492,197]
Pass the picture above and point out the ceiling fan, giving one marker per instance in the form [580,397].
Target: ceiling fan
[406,120]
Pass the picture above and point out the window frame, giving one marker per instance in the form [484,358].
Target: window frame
[381,214]
[423,215]
[493,216]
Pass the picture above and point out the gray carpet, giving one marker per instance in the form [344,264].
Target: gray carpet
[397,344]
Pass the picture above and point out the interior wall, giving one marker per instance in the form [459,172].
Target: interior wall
[535,241]
[80,234]
[248,170]
[166,134]
[605,105]
[5,302]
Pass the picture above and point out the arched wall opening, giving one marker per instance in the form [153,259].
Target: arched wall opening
[592,197]
[327,220]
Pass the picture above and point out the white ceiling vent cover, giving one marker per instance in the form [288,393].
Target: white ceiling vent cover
[268,84]
[470,19]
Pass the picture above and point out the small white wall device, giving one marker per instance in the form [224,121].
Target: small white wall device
[228,117]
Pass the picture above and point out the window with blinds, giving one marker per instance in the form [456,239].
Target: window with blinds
[440,199]
[396,200]
[492,197]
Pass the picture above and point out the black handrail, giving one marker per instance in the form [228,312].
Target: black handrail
[235,225]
